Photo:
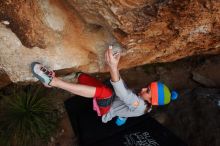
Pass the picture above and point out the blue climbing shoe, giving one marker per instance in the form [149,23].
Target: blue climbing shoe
[120,121]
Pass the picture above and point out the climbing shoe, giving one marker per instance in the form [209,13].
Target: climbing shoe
[120,121]
[42,73]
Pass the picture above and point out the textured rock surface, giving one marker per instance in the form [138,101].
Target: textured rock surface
[74,33]
[4,79]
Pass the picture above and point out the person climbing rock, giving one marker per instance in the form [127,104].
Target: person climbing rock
[118,101]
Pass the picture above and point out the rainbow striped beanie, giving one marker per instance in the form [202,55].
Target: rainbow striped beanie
[161,94]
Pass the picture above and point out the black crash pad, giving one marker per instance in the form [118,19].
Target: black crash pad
[138,131]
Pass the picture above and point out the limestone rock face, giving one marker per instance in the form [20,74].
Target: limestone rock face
[74,34]
[157,30]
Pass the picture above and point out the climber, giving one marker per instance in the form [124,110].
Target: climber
[107,102]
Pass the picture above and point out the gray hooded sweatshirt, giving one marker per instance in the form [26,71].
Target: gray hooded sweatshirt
[125,103]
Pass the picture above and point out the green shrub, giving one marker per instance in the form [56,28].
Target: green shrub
[27,118]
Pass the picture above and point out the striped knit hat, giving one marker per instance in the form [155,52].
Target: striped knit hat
[160,94]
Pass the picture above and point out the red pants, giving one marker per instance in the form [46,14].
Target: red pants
[103,94]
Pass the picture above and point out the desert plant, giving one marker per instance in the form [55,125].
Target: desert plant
[27,118]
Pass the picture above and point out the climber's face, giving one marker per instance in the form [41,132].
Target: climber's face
[145,93]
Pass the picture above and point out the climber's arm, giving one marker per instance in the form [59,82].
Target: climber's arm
[112,61]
